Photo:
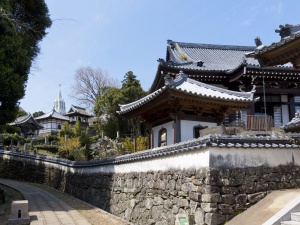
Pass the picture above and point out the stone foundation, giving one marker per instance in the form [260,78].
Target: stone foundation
[211,196]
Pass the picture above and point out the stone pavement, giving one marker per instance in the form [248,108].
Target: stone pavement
[45,208]
[266,208]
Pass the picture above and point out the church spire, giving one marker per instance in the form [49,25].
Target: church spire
[59,103]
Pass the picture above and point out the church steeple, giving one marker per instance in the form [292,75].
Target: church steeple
[59,103]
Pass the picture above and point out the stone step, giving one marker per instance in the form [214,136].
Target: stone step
[295,216]
[290,222]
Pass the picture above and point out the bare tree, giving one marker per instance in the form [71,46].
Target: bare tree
[89,84]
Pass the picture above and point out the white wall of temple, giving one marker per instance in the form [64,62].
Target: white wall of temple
[254,157]
[187,128]
[213,157]
[169,127]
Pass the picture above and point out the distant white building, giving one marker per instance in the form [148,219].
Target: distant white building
[59,103]
[52,122]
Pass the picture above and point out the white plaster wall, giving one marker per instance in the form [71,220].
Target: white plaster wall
[195,159]
[253,157]
[214,157]
[187,128]
[168,126]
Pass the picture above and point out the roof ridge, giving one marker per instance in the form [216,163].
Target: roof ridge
[241,94]
[216,46]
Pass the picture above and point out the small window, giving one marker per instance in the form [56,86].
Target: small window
[59,126]
[162,137]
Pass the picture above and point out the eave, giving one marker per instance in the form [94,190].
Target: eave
[171,101]
[287,50]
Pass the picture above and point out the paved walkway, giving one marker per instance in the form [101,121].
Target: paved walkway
[266,208]
[45,208]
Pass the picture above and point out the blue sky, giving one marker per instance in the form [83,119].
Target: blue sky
[122,35]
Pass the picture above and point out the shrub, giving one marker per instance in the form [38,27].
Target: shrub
[15,138]
[141,144]
[49,148]
[67,147]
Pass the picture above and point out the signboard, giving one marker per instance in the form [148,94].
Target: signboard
[181,219]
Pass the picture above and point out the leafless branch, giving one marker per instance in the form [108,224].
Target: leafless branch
[89,83]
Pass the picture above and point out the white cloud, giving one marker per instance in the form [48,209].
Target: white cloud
[246,22]
[277,8]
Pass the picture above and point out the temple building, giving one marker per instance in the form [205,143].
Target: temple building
[59,103]
[227,67]
[183,107]
[29,127]
[52,122]
[278,53]
[78,113]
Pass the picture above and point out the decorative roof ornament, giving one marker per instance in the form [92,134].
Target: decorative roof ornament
[182,75]
[169,80]
[171,43]
[161,61]
[257,41]
[200,63]
[286,30]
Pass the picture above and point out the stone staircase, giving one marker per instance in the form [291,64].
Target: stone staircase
[295,219]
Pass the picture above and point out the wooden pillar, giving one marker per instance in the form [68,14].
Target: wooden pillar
[176,129]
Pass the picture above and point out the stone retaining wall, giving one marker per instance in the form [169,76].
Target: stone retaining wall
[211,195]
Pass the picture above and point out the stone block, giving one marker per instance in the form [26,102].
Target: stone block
[212,198]
[19,213]
[214,218]
[209,207]
[195,196]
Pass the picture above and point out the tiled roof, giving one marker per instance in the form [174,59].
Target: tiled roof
[52,114]
[213,57]
[24,119]
[277,44]
[76,109]
[192,87]
[210,57]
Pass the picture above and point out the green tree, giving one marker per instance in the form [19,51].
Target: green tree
[77,129]
[66,130]
[131,88]
[23,24]
[37,114]
[108,105]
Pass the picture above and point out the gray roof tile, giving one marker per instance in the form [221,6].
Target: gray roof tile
[52,114]
[217,58]
[192,87]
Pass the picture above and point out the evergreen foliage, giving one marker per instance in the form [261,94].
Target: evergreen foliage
[107,106]
[37,114]
[23,24]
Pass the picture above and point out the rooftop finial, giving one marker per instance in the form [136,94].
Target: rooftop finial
[257,41]
[171,43]
[168,80]
[182,75]
[287,30]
